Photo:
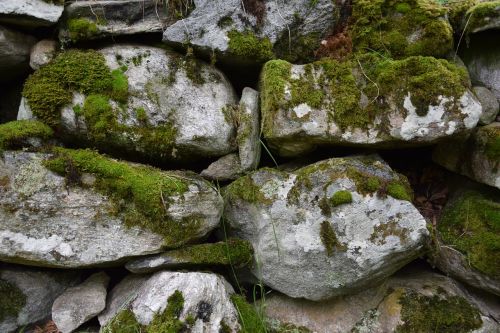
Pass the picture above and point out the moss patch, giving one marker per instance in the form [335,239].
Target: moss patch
[471,224]
[244,188]
[491,135]
[247,45]
[341,197]
[482,13]
[81,29]
[329,239]
[14,133]
[13,300]
[250,320]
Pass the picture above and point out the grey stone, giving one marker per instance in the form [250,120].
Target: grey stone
[225,168]
[249,130]
[489,103]
[39,287]
[81,303]
[42,53]
[14,53]
[30,13]
[309,245]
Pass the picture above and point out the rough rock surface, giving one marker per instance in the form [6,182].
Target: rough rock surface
[27,294]
[14,53]
[418,302]
[206,299]
[325,225]
[414,101]
[30,13]
[42,53]
[485,15]
[45,222]
[225,168]
[475,156]
[489,103]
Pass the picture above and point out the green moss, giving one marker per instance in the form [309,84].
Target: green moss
[492,144]
[225,22]
[471,224]
[13,134]
[457,11]
[371,184]
[247,45]
[189,64]
[399,191]
[341,197]
[452,314]
[141,115]
[251,321]
[244,188]
[81,29]
[384,230]
[13,300]
[235,252]
[142,193]
[329,239]
[124,322]
[482,13]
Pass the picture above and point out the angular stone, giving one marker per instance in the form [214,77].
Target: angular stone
[335,226]
[31,13]
[42,53]
[14,53]
[249,130]
[489,104]
[225,168]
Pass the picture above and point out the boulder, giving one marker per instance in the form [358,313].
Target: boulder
[24,134]
[28,293]
[489,104]
[135,101]
[42,53]
[164,301]
[76,208]
[254,31]
[80,303]
[335,226]
[31,13]
[369,102]
[475,155]
[14,53]
[484,15]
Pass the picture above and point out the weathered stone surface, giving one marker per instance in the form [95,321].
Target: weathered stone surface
[485,15]
[80,303]
[31,13]
[225,168]
[206,300]
[489,104]
[256,31]
[249,130]
[14,53]
[168,107]
[325,226]
[47,222]
[42,53]
[476,156]
[388,103]
[418,302]
[27,294]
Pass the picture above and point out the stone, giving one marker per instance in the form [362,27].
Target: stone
[335,226]
[154,105]
[81,303]
[28,293]
[225,168]
[31,13]
[201,300]
[489,104]
[57,219]
[475,155]
[42,53]
[483,16]
[14,53]
[422,301]
[375,103]
[248,135]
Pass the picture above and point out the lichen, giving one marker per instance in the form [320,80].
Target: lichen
[251,320]
[13,300]
[481,14]
[384,230]
[250,47]
[471,224]
[14,134]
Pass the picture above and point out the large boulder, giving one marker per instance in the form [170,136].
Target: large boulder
[171,302]
[475,155]
[91,210]
[414,301]
[31,13]
[136,101]
[334,226]
[254,31]
[14,54]
[484,15]
[369,102]
[27,294]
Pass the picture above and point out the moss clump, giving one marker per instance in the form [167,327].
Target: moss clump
[452,314]
[399,191]
[81,29]
[14,133]
[247,45]
[329,239]
[341,197]
[398,187]
[142,193]
[481,14]
[471,224]
[244,188]
[250,320]
[235,252]
[13,300]
[124,322]
[491,135]
[400,29]
[457,11]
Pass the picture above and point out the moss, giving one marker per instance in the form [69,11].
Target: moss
[482,13]
[189,64]
[384,230]
[225,22]
[457,11]
[449,314]
[399,191]
[398,187]
[81,29]
[235,252]
[371,184]
[329,239]
[244,188]
[247,45]
[491,134]
[141,115]
[14,133]
[13,300]
[471,224]
[341,197]
[142,193]
[251,321]
[124,322]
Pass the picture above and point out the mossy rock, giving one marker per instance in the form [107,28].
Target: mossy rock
[485,15]
[21,133]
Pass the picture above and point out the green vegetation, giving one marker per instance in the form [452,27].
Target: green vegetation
[13,300]
[244,188]
[471,224]
[341,197]
[81,29]
[13,134]
[189,64]
[481,14]
[399,191]
[248,45]
[250,320]
[448,314]
[329,239]
[142,193]
[491,135]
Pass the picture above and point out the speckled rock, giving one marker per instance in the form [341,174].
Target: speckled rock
[377,103]
[27,294]
[476,156]
[418,302]
[45,221]
[225,168]
[326,226]
[489,104]
[206,301]
[42,53]
[31,13]
[14,54]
